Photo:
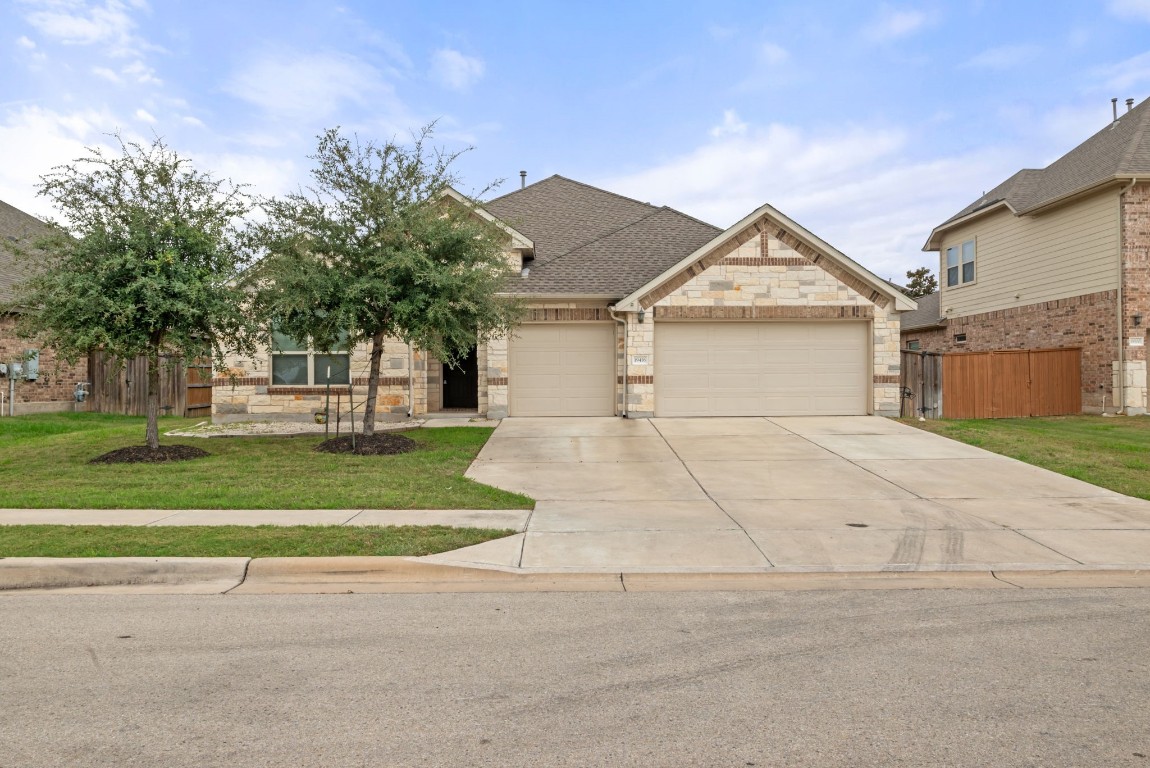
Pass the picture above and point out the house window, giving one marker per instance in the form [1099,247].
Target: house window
[960,338]
[960,264]
[914,344]
[296,364]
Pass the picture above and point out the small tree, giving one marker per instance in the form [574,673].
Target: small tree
[372,249]
[921,282]
[143,263]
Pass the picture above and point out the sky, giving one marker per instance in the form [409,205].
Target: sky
[868,123]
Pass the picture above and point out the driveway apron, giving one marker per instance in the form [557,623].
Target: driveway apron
[793,493]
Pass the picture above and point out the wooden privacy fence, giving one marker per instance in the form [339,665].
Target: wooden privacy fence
[921,384]
[184,390]
[1014,383]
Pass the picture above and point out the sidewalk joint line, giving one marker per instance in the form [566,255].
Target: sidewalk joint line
[358,512]
[165,517]
[1047,546]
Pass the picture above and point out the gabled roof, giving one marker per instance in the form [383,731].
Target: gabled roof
[926,316]
[766,218]
[16,229]
[1119,151]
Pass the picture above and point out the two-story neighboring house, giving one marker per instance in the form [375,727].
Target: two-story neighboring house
[1056,258]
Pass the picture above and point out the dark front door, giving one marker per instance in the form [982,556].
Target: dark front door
[461,383]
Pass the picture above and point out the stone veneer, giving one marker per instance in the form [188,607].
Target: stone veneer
[53,390]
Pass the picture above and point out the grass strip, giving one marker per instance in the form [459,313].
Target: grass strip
[236,540]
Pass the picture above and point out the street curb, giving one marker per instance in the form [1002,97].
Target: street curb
[397,575]
[142,575]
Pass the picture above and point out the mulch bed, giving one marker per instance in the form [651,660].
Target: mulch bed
[142,454]
[379,444]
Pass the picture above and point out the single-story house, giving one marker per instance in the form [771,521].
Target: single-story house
[633,310]
[42,383]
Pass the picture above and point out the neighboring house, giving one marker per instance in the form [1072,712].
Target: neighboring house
[635,310]
[924,324]
[46,384]
[1055,258]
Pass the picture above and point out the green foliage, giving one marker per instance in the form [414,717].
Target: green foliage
[374,249]
[922,282]
[144,261]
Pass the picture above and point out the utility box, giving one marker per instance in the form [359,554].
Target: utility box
[31,364]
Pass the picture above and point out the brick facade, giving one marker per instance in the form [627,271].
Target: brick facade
[1135,213]
[54,389]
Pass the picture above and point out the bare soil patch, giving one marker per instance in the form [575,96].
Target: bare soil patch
[379,444]
[142,454]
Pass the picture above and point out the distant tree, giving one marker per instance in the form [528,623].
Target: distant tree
[143,262]
[373,250]
[921,282]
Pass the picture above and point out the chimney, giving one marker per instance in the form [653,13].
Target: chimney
[523,177]
[1114,108]
[1129,104]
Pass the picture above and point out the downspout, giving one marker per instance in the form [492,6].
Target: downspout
[1121,313]
[623,320]
[410,381]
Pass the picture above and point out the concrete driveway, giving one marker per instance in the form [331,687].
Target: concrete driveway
[795,493]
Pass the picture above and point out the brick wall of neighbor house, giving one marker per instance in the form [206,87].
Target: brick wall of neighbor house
[1088,322]
[765,272]
[243,391]
[1136,292]
[55,387]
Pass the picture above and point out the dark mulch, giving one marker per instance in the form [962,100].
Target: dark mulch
[142,454]
[379,444]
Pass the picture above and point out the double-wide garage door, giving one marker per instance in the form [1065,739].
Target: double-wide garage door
[761,368]
[562,370]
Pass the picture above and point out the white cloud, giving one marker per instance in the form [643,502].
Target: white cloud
[74,22]
[1130,9]
[145,115]
[731,125]
[142,73]
[892,24]
[1003,57]
[453,70]
[1127,74]
[857,187]
[312,85]
[106,73]
[192,121]
[773,54]
[24,42]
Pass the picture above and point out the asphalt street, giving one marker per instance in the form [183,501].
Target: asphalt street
[864,678]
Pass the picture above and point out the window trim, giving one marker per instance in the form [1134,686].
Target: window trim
[959,249]
[310,353]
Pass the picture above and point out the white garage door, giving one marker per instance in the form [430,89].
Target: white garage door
[761,369]
[562,370]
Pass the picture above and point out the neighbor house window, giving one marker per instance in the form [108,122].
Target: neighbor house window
[295,363]
[960,264]
[960,338]
[914,344]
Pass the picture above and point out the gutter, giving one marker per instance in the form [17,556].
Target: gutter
[623,320]
[1120,313]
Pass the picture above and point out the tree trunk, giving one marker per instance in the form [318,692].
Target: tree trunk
[372,385]
[153,434]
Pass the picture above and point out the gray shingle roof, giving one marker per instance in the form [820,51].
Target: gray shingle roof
[19,229]
[593,242]
[1121,149]
[926,316]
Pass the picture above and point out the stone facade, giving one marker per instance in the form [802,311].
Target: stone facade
[53,390]
[1135,214]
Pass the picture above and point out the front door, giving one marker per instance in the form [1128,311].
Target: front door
[461,383]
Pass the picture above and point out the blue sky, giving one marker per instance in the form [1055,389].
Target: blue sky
[868,123]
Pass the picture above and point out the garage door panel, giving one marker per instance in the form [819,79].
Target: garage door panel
[562,370]
[761,369]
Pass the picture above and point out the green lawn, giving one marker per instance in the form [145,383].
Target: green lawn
[234,540]
[44,463]
[1112,453]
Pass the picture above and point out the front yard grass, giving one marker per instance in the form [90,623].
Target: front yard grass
[1112,453]
[235,540]
[44,464]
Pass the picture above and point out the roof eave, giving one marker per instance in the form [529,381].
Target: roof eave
[934,242]
[519,241]
[902,302]
[1081,192]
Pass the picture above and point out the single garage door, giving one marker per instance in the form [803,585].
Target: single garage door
[762,369]
[562,370]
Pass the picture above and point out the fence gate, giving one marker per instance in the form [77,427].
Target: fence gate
[184,391]
[1012,383]
[921,384]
